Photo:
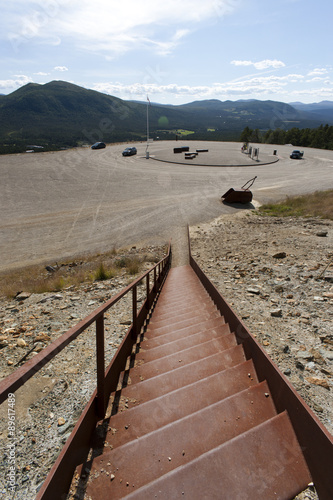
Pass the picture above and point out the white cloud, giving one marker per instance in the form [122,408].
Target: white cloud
[259,86]
[113,26]
[242,63]
[60,68]
[314,94]
[266,63]
[14,83]
[318,72]
[316,79]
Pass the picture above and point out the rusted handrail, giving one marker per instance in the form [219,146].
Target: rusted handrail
[12,382]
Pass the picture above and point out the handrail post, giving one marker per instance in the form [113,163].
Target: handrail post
[100,366]
[147,292]
[154,279]
[134,312]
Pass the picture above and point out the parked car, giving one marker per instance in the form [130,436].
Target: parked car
[98,145]
[297,155]
[130,151]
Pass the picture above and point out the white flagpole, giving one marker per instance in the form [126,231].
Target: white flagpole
[147,124]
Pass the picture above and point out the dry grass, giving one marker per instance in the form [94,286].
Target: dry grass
[132,264]
[102,274]
[318,204]
[36,279]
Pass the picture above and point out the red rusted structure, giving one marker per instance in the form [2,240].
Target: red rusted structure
[197,408]
[243,195]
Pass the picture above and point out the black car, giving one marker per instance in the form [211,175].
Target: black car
[129,151]
[98,145]
[296,155]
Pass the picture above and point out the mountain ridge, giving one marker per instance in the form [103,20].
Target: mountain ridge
[63,114]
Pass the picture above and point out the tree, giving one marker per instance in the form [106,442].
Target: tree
[246,134]
[255,136]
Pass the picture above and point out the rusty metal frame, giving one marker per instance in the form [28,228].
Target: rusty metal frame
[316,442]
[77,446]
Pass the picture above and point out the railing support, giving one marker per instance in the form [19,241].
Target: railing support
[154,279]
[100,366]
[134,311]
[147,292]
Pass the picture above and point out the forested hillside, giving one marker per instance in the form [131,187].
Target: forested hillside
[320,137]
[60,115]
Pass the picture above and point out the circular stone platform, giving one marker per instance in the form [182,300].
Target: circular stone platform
[219,154]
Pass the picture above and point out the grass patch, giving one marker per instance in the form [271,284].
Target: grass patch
[133,267]
[318,204]
[84,269]
[102,274]
[184,132]
[130,264]
[35,279]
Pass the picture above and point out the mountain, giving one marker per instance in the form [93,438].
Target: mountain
[313,106]
[60,111]
[318,111]
[59,114]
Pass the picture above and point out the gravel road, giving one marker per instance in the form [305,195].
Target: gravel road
[57,205]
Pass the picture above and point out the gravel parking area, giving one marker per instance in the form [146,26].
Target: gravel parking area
[58,205]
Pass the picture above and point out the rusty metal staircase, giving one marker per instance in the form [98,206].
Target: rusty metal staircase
[190,417]
[189,406]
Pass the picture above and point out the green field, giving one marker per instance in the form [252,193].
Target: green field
[184,132]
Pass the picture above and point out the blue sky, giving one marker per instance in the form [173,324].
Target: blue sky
[175,51]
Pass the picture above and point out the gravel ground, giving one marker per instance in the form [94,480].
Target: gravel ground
[274,272]
[277,274]
[58,204]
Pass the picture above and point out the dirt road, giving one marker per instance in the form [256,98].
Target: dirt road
[57,205]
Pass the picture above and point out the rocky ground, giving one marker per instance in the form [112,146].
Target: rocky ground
[276,273]
[49,404]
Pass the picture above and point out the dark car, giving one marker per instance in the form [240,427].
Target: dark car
[129,151]
[296,155]
[98,145]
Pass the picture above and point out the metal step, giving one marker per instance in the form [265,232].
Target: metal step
[139,419]
[177,323]
[181,305]
[186,330]
[171,362]
[263,463]
[186,313]
[153,349]
[184,375]
[146,459]
[165,313]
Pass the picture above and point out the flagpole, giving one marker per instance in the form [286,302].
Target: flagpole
[147,126]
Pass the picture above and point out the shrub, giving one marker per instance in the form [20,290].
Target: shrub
[102,274]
